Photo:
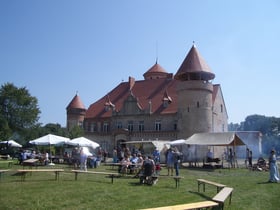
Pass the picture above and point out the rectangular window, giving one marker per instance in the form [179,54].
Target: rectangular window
[175,126]
[105,127]
[119,125]
[158,125]
[130,126]
[141,126]
[92,125]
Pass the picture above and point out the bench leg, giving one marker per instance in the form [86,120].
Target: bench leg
[230,198]
[112,178]
[56,175]
[23,174]
[177,182]
[76,176]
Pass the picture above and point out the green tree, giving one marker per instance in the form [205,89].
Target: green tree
[18,110]
[75,132]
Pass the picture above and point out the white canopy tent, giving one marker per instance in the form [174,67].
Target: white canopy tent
[215,139]
[202,141]
[11,143]
[177,142]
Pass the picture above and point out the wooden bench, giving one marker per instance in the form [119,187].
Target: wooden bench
[196,205]
[203,182]
[23,172]
[8,162]
[177,180]
[2,171]
[111,175]
[222,196]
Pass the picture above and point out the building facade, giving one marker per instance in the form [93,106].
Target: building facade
[162,106]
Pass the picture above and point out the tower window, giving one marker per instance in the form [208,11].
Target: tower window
[222,107]
[197,104]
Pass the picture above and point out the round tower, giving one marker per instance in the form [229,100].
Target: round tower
[75,112]
[195,91]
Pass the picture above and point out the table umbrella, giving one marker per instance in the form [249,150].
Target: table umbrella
[11,143]
[49,140]
[83,142]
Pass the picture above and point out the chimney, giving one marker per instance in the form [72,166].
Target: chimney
[131,81]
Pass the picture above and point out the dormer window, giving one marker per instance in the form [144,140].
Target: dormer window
[166,100]
[165,103]
[109,105]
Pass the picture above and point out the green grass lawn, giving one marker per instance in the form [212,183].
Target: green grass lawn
[41,191]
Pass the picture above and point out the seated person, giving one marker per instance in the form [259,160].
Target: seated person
[148,169]
[125,163]
[133,165]
[210,157]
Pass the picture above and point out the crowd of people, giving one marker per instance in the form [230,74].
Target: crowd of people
[140,165]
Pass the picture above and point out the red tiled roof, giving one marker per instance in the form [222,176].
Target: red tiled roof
[157,86]
[194,64]
[144,90]
[76,103]
[156,70]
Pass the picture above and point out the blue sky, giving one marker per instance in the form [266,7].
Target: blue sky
[55,48]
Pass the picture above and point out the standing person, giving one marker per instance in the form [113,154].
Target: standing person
[156,155]
[115,155]
[83,160]
[46,158]
[250,157]
[170,161]
[247,157]
[177,159]
[230,158]
[273,168]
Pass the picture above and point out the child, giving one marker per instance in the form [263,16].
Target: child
[158,168]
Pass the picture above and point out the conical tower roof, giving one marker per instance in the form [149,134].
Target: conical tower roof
[155,71]
[76,103]
[194,67]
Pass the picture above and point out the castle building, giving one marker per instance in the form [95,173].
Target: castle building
[162,106]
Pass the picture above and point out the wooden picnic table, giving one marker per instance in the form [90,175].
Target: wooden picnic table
[30,163]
